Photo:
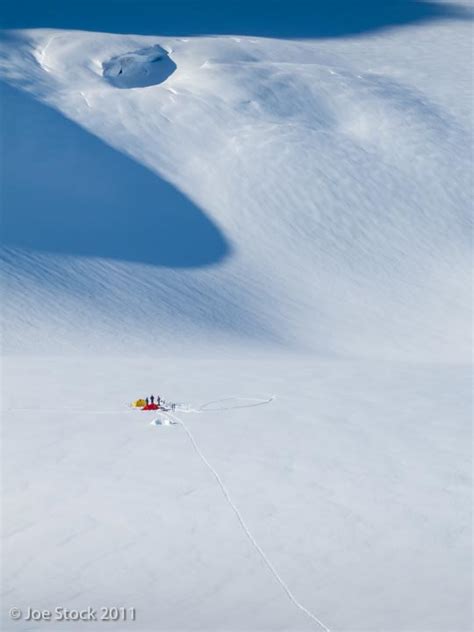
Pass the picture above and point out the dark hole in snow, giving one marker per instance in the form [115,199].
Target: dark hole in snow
[139,69]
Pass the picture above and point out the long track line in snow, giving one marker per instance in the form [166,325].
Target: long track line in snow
[255,401]
[82,411]
[245,528]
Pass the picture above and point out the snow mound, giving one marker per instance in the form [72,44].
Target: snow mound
[163,420]
[139,69]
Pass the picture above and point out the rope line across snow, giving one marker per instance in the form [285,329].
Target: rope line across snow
[245,528]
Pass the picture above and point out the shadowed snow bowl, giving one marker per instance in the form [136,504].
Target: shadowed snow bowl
[139,69]
[104,205]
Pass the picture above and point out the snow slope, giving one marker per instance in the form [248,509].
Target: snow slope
[354,181]
[224,219]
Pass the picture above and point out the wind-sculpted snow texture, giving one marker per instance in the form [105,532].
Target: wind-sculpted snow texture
[306,194]
[269,220]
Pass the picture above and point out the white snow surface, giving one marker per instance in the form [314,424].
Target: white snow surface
[276,233]
[336,179]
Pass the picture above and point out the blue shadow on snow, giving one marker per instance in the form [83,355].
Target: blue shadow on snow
[265,18]
[65,191]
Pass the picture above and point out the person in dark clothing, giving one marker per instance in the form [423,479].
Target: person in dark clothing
[147,401]
[158,400]
[152,399]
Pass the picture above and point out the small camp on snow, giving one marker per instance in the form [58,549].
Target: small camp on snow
[152,403]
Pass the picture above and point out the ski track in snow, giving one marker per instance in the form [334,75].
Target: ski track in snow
[255,402]
[183,408]
[67,410]
[177,420]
